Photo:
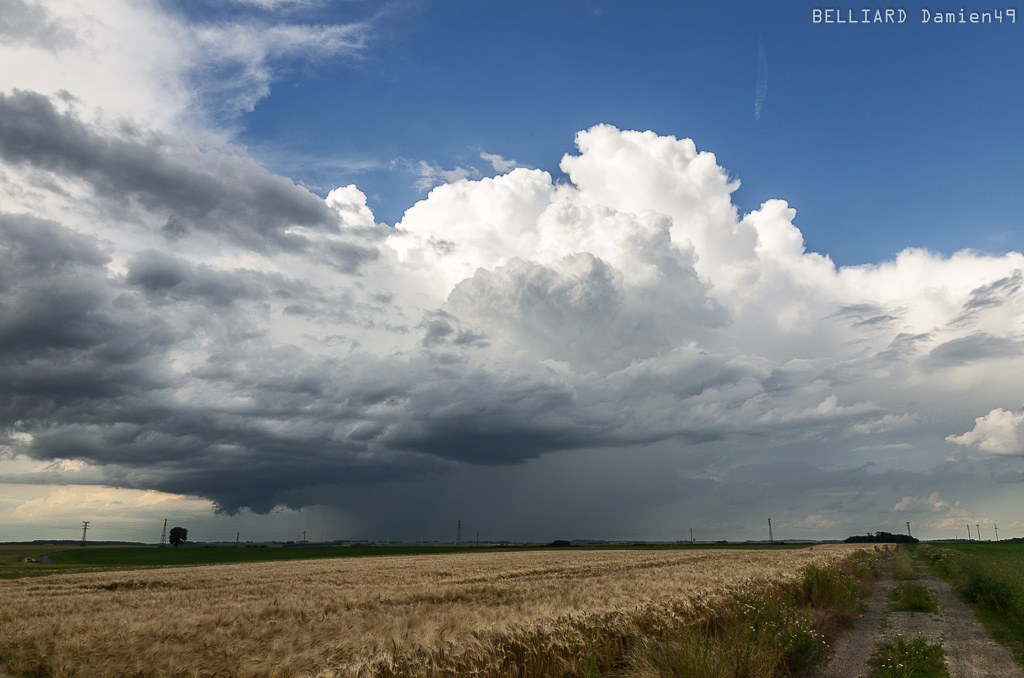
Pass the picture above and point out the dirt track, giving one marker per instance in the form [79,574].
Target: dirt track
[970,651]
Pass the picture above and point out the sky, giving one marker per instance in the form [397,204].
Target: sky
[583,269]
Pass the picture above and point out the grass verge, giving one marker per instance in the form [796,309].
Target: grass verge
[778,631]
[757,635]
[903,568]
[898,657]
[990,577]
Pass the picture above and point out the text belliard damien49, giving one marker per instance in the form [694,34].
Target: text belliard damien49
[898,16]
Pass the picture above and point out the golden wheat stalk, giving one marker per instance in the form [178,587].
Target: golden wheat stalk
[478,614]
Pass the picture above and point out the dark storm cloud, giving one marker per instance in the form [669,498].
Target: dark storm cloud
[281,420]
[844,500]
[66,337]
[865,315]
[40,247]
[236,461]
[157,272]
[278,419]
[231,196]
[29,23]
[442,328]
[55,294]
[167,278]
[902,346]
[993,295]
[547,328]
[976,347]
[85,369]
[174,374]
[480,418]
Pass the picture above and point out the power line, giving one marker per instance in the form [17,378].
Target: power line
[85,529]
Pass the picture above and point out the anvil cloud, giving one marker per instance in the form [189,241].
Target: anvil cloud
[176,317]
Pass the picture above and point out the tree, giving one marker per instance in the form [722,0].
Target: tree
[881,538]
[178,536]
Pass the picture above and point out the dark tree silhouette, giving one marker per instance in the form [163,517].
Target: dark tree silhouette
[178,536]
[881,538]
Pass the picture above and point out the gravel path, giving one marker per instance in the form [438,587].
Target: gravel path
[970,651]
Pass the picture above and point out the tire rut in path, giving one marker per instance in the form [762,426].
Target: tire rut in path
[970,651]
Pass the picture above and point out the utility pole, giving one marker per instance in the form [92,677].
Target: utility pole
[163,535]
[85,528]
[771,539]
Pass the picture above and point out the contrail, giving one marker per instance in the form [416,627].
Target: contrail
[762,80]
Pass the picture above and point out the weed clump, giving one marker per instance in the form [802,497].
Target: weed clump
[900,658]
[910,597]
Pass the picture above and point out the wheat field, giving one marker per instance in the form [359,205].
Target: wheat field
[533,613]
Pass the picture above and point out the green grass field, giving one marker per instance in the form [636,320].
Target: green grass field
[68,558]
[13,565]
[990,576]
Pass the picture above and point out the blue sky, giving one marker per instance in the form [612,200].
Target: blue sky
[582,269]
[882,136]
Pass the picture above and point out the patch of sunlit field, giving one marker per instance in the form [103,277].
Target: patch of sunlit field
[488,614]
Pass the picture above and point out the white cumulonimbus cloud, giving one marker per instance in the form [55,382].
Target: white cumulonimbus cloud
[122,59]
[173,316]
[933,504]
[998,432]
